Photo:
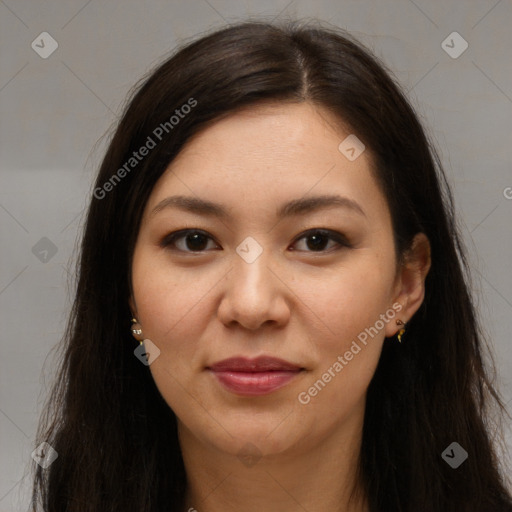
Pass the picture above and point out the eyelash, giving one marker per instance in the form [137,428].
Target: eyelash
[170,239]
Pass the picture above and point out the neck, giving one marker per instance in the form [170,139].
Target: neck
[317,476]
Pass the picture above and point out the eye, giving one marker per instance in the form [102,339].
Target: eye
[319,238]
[196,240]
[187,240]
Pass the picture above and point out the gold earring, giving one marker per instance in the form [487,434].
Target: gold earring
[137,330]
[401,331]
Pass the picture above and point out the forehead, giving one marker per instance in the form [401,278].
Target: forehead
[271,131]
[264,155]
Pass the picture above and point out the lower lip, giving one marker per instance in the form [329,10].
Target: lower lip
[254,383]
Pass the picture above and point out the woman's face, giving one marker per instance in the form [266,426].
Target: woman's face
[260,280]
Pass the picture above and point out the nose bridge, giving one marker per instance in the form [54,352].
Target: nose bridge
[251,273]
[253,295]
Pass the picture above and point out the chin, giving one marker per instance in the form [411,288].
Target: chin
[251,438]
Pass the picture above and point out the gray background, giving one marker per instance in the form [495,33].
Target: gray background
[55,111]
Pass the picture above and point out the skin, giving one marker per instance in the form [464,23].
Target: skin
[293,302]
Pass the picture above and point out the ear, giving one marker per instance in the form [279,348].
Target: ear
[409,289]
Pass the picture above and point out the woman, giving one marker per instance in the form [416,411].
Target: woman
[272,220]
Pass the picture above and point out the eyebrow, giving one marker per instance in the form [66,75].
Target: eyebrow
[292,208]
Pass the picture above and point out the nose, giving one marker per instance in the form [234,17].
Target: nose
[255,294]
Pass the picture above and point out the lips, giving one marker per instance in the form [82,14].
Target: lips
[254,377]
[260,364]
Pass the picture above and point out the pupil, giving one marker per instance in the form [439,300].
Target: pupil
[198,242]
[318,243]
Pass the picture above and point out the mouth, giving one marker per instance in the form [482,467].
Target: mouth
[254,377]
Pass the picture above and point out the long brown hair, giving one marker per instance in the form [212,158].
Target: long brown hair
[116,437]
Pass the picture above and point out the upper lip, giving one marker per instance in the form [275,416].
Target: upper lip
[258,364]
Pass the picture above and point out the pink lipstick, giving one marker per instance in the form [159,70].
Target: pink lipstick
[254,377]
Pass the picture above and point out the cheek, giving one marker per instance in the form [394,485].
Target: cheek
[349,304]
[168,300]
[347,300]
[171,308]
[348,340]
[175,308]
